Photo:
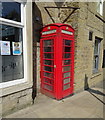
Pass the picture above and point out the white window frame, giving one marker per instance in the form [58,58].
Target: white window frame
[95,70]
[100,7]
[22,25]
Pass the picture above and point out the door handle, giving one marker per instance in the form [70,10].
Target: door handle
[54,66]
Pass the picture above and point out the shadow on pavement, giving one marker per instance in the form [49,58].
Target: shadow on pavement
[96,91]
[96,97]
[92,91]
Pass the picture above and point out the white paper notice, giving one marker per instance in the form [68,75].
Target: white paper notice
[17,48]
[5,47]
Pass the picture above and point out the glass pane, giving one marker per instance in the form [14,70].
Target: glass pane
[66,80]
[48,62]
[48,55]
[96,59]
[11,53]
[66,86]
[47,68]
[47,43]
[96,54]
[48,49]
[50,75]
[68,42]
[67,49]
[48,87]
[11,11]
[66,62]
[96,47]
[67,74]
[12,34]
[67,55]
[46,80]
[66,68]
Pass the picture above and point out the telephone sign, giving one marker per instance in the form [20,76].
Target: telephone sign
[57,60]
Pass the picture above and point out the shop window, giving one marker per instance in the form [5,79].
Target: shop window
[96,54]
[11,41]
[11,11]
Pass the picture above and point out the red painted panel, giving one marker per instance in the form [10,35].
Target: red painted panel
[57,60]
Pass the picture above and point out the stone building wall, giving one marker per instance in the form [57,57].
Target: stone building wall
[87,21]
[83,20]
[44,19]
[18,96]
[16,101]
[58,15]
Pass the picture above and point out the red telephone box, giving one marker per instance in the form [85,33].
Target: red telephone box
[57,60]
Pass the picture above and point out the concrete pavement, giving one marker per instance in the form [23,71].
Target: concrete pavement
[87,104]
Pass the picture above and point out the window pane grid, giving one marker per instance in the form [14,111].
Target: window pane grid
[11,11]
[12,34]
[44,77]
[65,87]
[66,74]
[48,68]
[48,62]
[48,74]
[96,54]
[66,81]
[48,84]
[48,87]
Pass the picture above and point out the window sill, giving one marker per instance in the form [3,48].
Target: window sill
[97,13]
[100,17]
[95,74]
[16,88]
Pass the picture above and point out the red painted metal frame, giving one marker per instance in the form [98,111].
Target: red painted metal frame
[58,50]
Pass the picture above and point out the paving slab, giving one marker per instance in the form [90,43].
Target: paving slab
[81,105]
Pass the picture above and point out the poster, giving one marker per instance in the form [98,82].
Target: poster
[5,47]
[17,48]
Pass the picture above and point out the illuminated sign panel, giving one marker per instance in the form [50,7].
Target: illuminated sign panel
[48,32]
[67,32]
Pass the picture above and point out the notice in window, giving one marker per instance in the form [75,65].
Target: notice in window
[17,48]
[5,47]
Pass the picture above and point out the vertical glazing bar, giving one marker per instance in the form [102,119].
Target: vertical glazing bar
[58,69]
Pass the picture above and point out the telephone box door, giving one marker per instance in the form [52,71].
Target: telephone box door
[67,66]
[47,65]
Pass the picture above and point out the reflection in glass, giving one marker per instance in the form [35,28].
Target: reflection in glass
[66,80]
[68,42]
[48,55]
[48,62]
[66,62]
[67,49]
[48,87]
[50,75]
[67,55]
[47,43]
[12,65]
[46,80]
[10,33]
[96,47]
[47,68]
[66,68]
[67,74]
[11,11]
[47,49]
[66,86]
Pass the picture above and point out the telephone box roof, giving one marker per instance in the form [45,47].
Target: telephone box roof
[59,25]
